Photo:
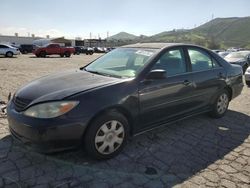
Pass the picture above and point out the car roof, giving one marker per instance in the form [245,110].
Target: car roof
[152,45]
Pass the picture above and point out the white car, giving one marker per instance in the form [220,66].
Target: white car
[8,51]
[247,76]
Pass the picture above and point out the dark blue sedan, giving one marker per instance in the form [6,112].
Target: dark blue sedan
[127,91]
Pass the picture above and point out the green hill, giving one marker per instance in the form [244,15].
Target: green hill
[229,31]
[123,36]
[217,33]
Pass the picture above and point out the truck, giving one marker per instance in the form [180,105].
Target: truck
[53,49]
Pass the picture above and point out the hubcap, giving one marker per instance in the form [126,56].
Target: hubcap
[109,137]
[222,103]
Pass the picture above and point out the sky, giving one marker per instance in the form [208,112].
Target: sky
[79,18]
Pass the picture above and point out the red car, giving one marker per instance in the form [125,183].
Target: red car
[54,49]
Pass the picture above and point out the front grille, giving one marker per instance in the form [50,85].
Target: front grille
[20,104]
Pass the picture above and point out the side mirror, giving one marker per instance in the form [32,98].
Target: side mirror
[156,74]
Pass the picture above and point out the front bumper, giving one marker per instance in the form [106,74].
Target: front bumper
[45,135]
[247,76]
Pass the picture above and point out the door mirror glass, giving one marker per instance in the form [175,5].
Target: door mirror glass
[156,74]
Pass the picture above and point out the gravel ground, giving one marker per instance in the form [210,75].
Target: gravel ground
[197,152]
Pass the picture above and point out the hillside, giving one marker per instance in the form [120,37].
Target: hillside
[219,32]
[230,31]
[123,36]
[223,31]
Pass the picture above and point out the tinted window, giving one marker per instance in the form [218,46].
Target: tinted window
[201,61]
[173,62]
[3,46]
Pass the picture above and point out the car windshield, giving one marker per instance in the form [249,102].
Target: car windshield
[121,62]
[238,55]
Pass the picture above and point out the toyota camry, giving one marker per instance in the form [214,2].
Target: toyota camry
[125,92]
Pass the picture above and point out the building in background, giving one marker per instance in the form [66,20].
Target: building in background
[17,40]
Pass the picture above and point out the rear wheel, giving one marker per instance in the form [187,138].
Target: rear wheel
[220,105]
[106,136]
[9,54]
[61,55]
[67,54]
[42,54]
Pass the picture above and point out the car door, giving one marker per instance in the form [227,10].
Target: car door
[162,99]
[3,49]
[207,74]
[52,49]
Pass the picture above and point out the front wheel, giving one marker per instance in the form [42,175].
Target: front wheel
[106,136]
[9,54]
[221,105]
[248,83]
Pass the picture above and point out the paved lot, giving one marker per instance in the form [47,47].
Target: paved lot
[198,152]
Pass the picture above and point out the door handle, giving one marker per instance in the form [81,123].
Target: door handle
[186,82]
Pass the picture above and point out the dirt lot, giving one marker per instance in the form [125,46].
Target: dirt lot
[198,152]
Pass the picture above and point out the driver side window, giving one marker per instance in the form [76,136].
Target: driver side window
[172,61]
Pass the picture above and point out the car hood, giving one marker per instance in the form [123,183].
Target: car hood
[61,85]
[234,60]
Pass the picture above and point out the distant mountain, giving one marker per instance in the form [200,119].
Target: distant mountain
[123,36]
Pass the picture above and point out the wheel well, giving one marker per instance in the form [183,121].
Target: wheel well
[230,91]
[118,109]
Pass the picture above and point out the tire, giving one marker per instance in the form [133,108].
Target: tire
[67,54]
[42,54]
[220,105]
[61,55]
[90,53]
[106,136]
[9,54]
[77,53]
[244,68]
[248,83]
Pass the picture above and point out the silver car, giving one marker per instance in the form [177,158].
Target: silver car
[241,58]
[8,51]
[247,76]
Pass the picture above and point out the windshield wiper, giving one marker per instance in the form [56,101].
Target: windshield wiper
[102,73]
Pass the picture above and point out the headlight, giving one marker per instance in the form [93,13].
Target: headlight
[50,109]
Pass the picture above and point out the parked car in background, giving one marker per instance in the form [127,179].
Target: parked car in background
[217,51]
[84,50]
[241,58]
[99,50]
[8,51]
[127,91]
[78,50]
[247,76]
[223,54]
[26,48]
[88,50]
[54,49]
